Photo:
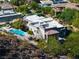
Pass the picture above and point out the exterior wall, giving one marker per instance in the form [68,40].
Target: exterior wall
[38,32]
[42,32]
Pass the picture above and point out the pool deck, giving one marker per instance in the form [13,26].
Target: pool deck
[25,37]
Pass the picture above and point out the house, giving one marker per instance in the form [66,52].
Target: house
[59,1]
[43,27]
[51,3]
[7,12]
[4,0]
[46,3]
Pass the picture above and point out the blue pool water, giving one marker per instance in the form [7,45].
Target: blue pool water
[18,32]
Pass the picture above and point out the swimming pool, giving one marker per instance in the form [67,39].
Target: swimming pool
[18,32]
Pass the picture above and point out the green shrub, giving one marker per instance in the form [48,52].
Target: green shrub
[68,15]
[42,44]
[18,2]
[17,24]
[53,46]
[72,44]
[30,32]
[23,9]
[34,5]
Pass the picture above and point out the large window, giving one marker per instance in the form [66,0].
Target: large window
[45,25]
[34,23]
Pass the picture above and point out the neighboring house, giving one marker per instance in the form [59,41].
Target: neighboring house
[46,3]
[43,27]
[59,1]
[52,2]
[4,0]
[7,12]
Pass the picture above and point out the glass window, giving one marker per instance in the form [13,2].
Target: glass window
[45,25]
[34,23]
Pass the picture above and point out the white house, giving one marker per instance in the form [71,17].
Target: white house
[42,27]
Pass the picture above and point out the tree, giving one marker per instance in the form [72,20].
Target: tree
[23,9]
[72,44]
[34,5]
[30,32]
[46,10]
[18,2]
[67,15]
[42,44]
[17,24]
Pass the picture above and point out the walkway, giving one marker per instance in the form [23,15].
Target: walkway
[25,37]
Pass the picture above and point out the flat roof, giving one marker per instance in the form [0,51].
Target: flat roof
[53,24]
[50,21]
[33,18]
[56,24]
